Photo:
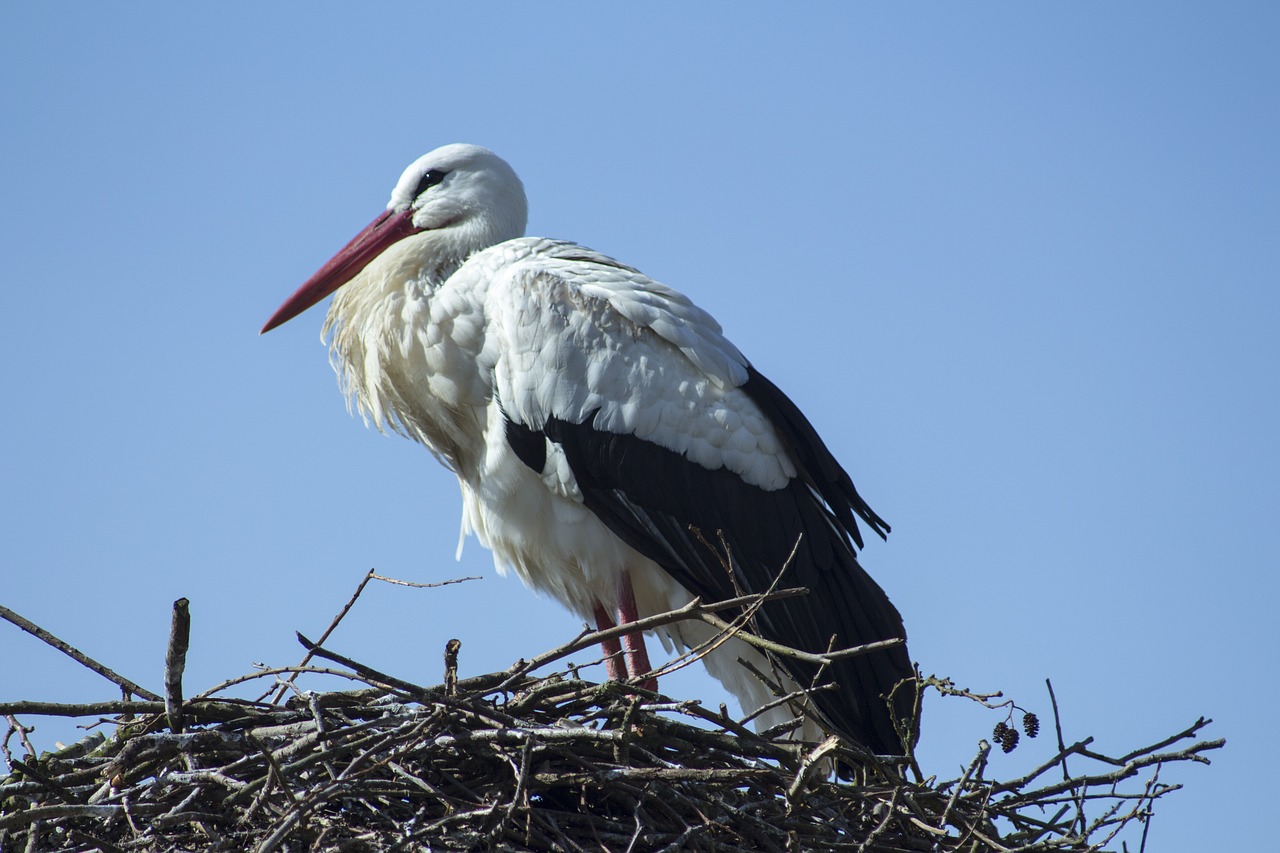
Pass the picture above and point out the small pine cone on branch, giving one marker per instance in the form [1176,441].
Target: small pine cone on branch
[1006,736]
[1030,724]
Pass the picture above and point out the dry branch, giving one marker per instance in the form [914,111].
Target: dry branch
[175,662]
[75,654]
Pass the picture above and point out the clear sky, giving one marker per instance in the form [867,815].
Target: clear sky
[1017,262]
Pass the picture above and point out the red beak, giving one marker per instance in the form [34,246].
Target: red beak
[351,259]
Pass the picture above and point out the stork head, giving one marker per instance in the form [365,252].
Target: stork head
[455,201]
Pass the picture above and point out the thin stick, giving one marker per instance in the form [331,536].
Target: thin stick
[590,638]
[370,575]
[984,749]
[219,709]
[368,673]
[306,659]
[270,671]
[77,655]
[1066,775]
[824,659]
[21,731]
[726,633]
[422,585]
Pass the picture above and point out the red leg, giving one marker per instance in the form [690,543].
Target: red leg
[635,654]
[613,662]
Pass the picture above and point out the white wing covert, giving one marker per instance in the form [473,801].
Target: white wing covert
[576,337]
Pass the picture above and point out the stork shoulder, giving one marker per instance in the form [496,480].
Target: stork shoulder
[577,337]
[575,281]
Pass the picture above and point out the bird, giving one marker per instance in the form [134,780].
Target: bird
[613,448]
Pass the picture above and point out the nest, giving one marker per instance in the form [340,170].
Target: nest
[516,761]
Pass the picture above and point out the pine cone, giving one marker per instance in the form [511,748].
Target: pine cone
[1006,736]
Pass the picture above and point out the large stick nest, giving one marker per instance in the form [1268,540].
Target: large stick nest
[513,762]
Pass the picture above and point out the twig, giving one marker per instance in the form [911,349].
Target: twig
[31,770]
[693,609]
[370,575]
[21,731]
[451,666]
[1062,752]
[267,672]
[416,585]
[368,673]
[808,763]
[1129,769]
[306,659]
[94,841]
[76,655]
[984,749]
[824,659]
[1189,731]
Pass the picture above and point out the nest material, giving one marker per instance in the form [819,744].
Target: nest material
[511,762]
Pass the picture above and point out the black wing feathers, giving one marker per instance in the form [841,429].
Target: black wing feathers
[654,499]
[530,446]
[809,450]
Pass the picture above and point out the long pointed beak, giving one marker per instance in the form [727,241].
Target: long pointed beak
[388,228]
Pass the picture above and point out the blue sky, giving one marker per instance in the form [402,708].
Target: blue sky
[1017,262]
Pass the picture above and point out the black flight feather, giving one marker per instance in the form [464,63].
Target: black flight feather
[658,501]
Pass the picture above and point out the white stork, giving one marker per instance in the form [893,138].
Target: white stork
[603,430]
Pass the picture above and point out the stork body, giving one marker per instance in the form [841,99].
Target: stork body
[604,431]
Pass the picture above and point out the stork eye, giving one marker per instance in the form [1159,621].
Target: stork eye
[429,180]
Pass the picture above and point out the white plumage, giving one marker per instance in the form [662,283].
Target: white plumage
[601,425]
